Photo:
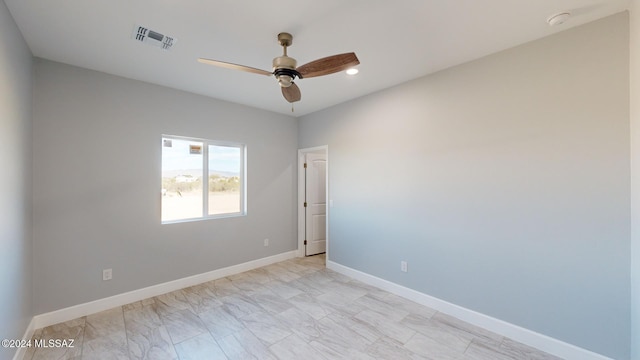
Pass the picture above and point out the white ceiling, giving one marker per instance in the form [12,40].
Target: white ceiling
[395,40]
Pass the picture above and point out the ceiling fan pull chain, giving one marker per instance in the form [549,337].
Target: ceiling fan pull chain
[291,107]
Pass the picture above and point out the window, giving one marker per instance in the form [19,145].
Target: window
[189,194]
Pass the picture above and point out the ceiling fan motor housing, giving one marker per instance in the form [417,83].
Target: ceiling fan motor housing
[284,68]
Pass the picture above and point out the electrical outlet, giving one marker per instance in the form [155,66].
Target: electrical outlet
[107,274]
[403,266]
[266,242]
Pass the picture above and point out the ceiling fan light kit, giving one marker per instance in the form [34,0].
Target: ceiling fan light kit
[286,70]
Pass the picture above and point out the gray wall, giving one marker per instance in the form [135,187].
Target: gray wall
[503,182]
[97,161]
[634,77]
[15,182]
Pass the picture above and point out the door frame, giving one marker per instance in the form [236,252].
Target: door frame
[324,149]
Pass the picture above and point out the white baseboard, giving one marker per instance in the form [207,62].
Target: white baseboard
[22,351]
[517,333]
[73,312]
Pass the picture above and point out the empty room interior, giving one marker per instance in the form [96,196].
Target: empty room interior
[320,180]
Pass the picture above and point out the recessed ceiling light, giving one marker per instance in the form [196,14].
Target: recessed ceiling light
[352,71]
[558,19]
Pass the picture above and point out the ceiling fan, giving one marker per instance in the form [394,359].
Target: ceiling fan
[285,68]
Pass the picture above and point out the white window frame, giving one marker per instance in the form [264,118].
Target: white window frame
[205,176]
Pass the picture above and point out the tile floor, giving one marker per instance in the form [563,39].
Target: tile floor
[296,309]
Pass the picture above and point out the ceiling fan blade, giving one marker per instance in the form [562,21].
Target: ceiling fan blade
[291,93]
[328,65]
[234,66]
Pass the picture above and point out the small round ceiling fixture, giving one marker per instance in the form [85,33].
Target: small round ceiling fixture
[352,71]
[558,19]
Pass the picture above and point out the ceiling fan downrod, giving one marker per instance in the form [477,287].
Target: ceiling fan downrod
[284,67]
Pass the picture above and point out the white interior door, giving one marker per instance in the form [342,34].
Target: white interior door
[316,204]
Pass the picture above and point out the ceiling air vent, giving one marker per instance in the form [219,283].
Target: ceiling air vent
[150,37]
